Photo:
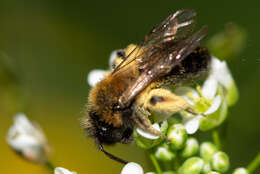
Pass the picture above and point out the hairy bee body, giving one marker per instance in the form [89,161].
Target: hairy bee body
[169,55]
[110,124]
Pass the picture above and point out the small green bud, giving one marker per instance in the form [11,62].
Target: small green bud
[150,141]
[177,135]
[192,165]
[220,162]
[213,172]
[169,172]
[191,148]
[163,153]
[240,171]
[207,150]
[206,168]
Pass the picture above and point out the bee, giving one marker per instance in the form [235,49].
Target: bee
[169,55]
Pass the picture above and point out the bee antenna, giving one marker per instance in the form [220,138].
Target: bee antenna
[111,156]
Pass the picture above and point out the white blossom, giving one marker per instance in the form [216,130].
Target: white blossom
[95,76]
[132,168]
[210,98]
[27,138]
[60,170]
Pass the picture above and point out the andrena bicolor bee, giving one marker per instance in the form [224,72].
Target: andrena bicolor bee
[169,55]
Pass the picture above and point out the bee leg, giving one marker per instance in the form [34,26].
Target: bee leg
[144,123]
[193,112]
[165,102]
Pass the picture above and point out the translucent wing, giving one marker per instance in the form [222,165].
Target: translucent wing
[162,60]
[174,28]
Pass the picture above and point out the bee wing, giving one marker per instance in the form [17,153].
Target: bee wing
[174,28]
[161,62]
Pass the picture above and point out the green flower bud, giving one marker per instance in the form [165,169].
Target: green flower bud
[163,153]
[146,142]
[220,162]
[207,150]
[213,172]
[177,135]
[240,171]
[169,172]
[206,168]
[192,165]
[232,94]
[191,148]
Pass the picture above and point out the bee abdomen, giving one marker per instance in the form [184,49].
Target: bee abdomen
[195,65]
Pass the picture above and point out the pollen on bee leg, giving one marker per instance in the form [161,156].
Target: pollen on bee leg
[164,102]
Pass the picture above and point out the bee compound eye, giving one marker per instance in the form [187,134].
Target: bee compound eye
[121,54]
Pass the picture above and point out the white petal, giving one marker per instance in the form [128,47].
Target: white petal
[148,135]
[60,170]
[21,141]
[183,91]
[221,72]
[209,87]
[150,173]
[26,137]
[192,125]
[132,168]
[112,58]
[214,106]
[95,76]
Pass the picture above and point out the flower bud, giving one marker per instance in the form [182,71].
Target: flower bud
[207,150]
[192,165]
[131,168]
[169,172]
[163,153]
[146,140]
[27,138]
[213,172]
[191,148]
[220,162]
[206,168]
[177,135]
[240,171]
[60,170]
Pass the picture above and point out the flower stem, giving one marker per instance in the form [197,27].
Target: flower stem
[155,163]
[50,166]
[216,139]
[254,164]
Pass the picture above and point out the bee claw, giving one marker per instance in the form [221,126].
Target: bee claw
[168,141]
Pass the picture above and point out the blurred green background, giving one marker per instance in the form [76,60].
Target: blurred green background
[52,45]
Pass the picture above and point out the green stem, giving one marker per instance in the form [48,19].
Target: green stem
[50,166]
[155,163]
[254,164]
[216,139]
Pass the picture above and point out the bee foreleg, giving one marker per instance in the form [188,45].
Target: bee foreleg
[144,123]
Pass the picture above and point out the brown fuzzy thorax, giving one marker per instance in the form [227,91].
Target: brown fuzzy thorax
[104,97]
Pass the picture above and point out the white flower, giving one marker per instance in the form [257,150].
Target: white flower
[150,136]
[222,75]
[132,168]
[27,138]
[95,76]
[210,100]
[60,170]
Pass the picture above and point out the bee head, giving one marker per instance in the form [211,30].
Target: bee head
[105,133]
